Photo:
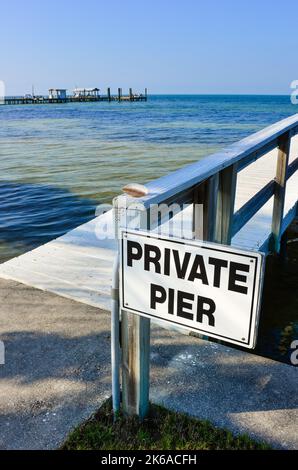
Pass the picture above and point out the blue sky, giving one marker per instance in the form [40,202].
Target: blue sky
[170,46]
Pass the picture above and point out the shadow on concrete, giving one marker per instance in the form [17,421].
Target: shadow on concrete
[216,369]
[32,357]
[57,365]
[49,384]
[243,392]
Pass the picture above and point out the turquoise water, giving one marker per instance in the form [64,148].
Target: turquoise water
[57,162]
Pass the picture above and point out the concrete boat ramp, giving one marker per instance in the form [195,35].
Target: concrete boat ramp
[57,369]
[57,373]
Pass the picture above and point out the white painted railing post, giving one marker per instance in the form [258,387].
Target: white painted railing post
[115,315]
[115,337]
[280,188]
[135,336]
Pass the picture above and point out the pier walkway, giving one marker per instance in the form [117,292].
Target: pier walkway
[78,265]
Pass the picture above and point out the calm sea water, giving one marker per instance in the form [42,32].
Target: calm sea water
[57,162]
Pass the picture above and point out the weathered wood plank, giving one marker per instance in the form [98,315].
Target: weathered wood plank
[135,334]
[225,204]
[280,187]
[204,209]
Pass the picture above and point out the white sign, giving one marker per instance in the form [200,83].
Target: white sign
[205,287]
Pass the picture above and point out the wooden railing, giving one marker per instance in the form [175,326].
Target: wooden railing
[212,182]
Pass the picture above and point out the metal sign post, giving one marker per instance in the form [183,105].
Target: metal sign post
[135,330]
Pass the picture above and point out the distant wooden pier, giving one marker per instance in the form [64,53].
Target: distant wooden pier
[81,96]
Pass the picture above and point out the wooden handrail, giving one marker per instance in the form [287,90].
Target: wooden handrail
[216,175]
[243,152]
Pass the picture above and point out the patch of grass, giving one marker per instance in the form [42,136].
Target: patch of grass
[162,430]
